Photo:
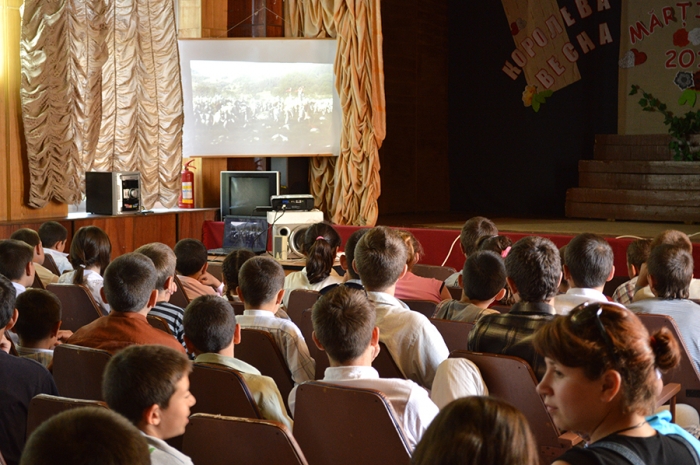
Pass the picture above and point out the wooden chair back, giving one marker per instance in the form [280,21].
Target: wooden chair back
[78,307]
[37,284]
[78,371]
[455,333]
[50,264]
[306,327]
[44,406]
[220,390]
[385,364]
[455,292]
[512,379]
[215,269]
[440,273]
[426,307]
[300,300]
[260,350]
[159,322]
[221,440]
[337,425]
[238,307]
[179,298]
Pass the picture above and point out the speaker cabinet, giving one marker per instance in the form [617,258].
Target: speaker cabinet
[292,225]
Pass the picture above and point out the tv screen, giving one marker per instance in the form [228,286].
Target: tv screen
[243,191]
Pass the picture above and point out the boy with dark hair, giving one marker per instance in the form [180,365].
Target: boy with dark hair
[474,229]
[16,263]
[670,269]
[85,436]
[349,255]
[261,289]
[38,324]
[192,269]
[533,272]
[412,340]
[164,260]
[211,332]
[637,255]
[589,265]
[32,238]
[149,385]
[484,278]
[129,288]
[20,380]
[344,327]
[53,237]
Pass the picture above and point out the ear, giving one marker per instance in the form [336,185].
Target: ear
[237,334]
[501,294]
[315,339]
[170,285]
[204,268]
[354,267]
[29,270]
[462,249]
[374,342]
[11,324]
[567,275]
[403,273]
[611,275]
[460,281]
[344,262]
[652,283]
[280,296]
[152,415]
[55,329]
[239,294]
[512,286]
[633,270]
[153,299]
[102,294]
[611,382]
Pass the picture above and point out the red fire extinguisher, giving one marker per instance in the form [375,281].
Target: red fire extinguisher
[186,199]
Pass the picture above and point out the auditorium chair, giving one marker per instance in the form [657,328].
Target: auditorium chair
[78,307]
[512,379]
[50,264]
[238,307]
[159,322]
[179,298]
[440,273]
[454,333]
[78,370]
[300,300]
[426,307]
[222,440]
[37,284]
[215,269]
[44,406]
[338,425]
[385,364]
[455,292]
[221,390]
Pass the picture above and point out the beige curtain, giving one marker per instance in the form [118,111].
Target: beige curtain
[347,188]
[101,92]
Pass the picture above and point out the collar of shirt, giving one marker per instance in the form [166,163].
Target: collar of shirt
[56,253]
[263,313]
[350,372]
[532,307]
[18,288]
[587,292]
[238,365]
[134,315]
[32,350]
[387,299]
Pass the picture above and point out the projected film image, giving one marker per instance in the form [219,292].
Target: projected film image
[287,105]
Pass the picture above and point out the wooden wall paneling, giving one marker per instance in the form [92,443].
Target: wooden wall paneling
[189,225]
[6,229]
[119,229]
[155,228]
[5,13]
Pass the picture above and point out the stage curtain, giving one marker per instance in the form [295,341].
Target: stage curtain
[347,188]
[101,91]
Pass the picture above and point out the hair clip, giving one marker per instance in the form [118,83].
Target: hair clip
[320,238]
[504,254]
[82,266]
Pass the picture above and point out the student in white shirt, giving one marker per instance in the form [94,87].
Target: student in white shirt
[53,237]
[16,263]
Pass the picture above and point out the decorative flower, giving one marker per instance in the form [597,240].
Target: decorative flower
[683,80]
[528,93]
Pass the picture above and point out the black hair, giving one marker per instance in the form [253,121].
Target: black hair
[163,259]
[26,235]
[321,242]
[380,257]
[259,280]
[350,250]
[231,267]
[51,233]
[129,281]
[39,312]
[472,230]
[638,252]
[191,256]
[14,257]
[90,246]
[8,294]
[672,269]
[484,275]
[209,323]
[534,266]
[589,259]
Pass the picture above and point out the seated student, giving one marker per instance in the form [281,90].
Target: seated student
[320,246]
[589,265]
[484,275]
[413,287]
[229,271]
[533,271]
[16,263]
[90,252]
[672,237]
[38,324]
[53,237]
[456,378]
[192,269]
[149,385]
[500,245]
[86,436]
[348,256]
[20,380]
[344,328]
[637,255]
[163,259]
[130,288]
[477,431]
[260,288]
[472,230]
[210,333]
[412,340]
[32,238]
[670,269]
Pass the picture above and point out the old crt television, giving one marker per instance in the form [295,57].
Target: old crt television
[242,192]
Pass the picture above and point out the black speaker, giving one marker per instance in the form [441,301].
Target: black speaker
[112,193]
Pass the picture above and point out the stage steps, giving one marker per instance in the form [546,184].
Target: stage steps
[635,178]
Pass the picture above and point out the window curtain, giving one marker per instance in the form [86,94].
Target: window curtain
[347,187]
[101,91]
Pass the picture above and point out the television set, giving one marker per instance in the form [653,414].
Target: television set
[242,192]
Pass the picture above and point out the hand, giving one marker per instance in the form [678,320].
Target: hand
[63,336]
[209,280]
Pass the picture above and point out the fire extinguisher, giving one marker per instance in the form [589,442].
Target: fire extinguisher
[186,199]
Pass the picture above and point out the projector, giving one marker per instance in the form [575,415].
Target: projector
[298,202]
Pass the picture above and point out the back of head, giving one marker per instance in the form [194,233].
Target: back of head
[191,256]
[484,275]
[350,250]
[163,259]
[414,249]
[26,235]
[209,323]
[472,230]
[86,436]
[673,237]
[320,245]
[671,268]
[534,266]
[39,313]
[8,295]
[141,376]
[90,246]
[260,279]
[589,259]
[129,281]
[638,252]
[380,257]
[230,268]
[14,257]
[343,321]
[498,244]
[52,232]
[576,341]
[477,431]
